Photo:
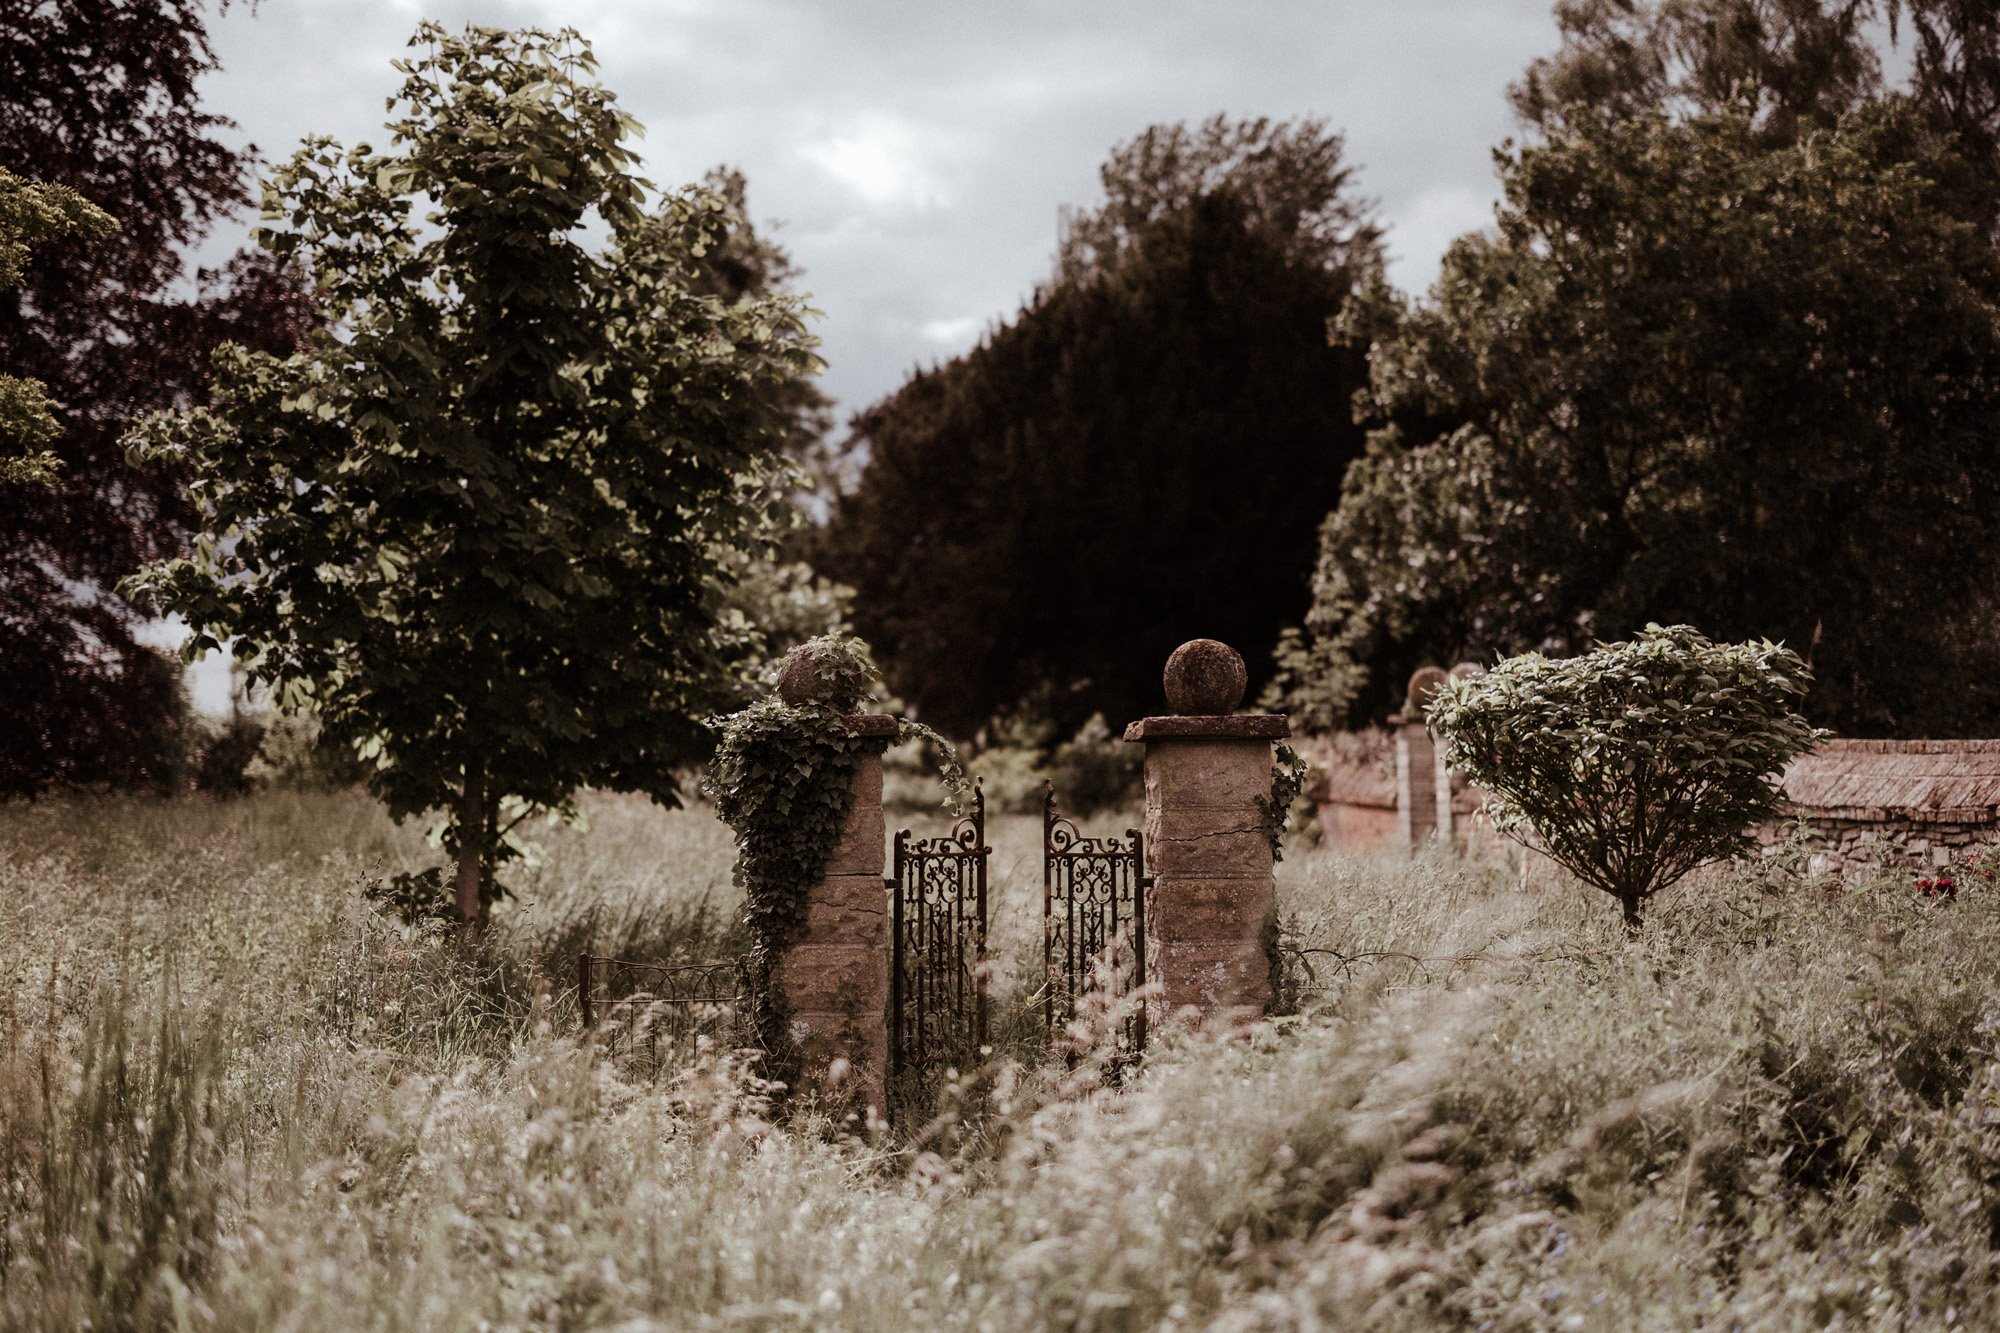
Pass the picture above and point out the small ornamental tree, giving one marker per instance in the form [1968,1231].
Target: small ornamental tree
[482,523]
[1637,762]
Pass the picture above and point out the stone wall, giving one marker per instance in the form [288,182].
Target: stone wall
[1865,803]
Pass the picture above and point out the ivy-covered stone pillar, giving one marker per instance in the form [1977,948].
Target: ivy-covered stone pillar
[834,979]
[1212,914]
[799,779]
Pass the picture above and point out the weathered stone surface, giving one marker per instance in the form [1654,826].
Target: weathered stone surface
[1207,774]
[846,919]
[1204,840]
[1205,676]
[1416,784]
[1240,727]
[861,892]
[835,978]
[1424,682]
[860,849]
[877,726]
[1211,862]
[1214,911]
[798,678]
[1212,975]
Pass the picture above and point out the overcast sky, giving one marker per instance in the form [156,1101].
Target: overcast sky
[915,154]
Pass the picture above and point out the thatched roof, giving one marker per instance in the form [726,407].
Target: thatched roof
[1928,781]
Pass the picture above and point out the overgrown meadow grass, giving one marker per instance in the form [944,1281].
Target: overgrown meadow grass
[232,1096]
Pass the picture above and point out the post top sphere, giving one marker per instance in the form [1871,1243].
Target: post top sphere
[1424,682]
[1205,677]
[798,678]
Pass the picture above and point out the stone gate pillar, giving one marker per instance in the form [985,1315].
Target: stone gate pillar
[1211,917]
[1423,784]
[835,980]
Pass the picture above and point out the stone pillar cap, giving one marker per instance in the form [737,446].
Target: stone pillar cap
[1240,727]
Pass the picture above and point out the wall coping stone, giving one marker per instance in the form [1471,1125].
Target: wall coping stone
[1242,727]
[871,724]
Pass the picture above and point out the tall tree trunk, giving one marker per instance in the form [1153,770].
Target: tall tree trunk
[471,823]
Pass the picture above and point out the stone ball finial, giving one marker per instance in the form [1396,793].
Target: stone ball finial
[798,678]
[1205,677]
[1467,671]
[1424,682]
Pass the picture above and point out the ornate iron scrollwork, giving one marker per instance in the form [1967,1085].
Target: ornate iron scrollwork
[1094,894]
[937,965]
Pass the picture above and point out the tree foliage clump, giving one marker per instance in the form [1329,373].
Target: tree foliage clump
[1139,458]
[31,215]
[1798,66]
[1634,763]
[103,100]
[1689,379]
[483,522]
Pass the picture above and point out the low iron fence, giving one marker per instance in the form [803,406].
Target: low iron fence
[642,1013]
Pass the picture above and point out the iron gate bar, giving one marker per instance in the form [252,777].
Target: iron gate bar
[1090,877]
[937,929]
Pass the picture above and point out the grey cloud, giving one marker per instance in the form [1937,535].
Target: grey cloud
[918,153]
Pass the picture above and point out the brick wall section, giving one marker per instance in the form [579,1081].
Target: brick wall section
[836,978]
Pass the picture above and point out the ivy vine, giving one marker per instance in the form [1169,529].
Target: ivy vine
[1288,779]
[782,779]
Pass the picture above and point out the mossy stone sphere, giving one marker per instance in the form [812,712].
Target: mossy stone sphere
[1205,677]
[1424,682]
[798,679]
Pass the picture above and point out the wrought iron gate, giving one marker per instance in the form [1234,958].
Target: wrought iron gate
[1094,894]
[937,933]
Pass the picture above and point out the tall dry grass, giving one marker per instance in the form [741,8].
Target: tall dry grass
[233,1097]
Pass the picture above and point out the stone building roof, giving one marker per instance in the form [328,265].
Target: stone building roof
[1926,781]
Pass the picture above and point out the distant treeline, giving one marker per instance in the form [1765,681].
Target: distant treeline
[1728,358]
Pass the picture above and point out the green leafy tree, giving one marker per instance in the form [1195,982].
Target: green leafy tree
[103,99]
[484,521]
[30,215]
[1799,66]
[1139,458]
[1690,379]
[1634,763]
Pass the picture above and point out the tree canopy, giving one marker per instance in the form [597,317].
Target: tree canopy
[484,522]
[103,100]
[1701,372]
[1139,457]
